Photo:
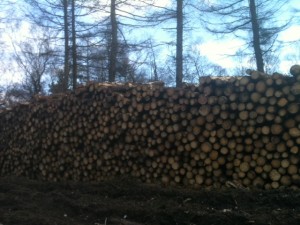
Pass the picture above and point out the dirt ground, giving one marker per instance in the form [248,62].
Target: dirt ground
[125,201]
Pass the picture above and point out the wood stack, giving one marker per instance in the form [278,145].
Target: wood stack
[239,129]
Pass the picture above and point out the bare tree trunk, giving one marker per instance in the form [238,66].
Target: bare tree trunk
[155,70]
[256,37]
[36,84]
[65,80]
[114,43]
[179,48]
[74,47]
[154,64]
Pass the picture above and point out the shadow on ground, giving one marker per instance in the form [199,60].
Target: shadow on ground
[126,201]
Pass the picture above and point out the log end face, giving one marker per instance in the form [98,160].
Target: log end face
[296,88]
[295,70]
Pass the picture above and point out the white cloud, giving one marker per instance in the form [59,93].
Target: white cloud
[219,51]
[162,3]
[291,34]
[285,66]
[209,2]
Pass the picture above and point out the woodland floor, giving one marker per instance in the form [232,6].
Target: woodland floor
[128,202]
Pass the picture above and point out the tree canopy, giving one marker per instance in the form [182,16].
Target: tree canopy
[70,42]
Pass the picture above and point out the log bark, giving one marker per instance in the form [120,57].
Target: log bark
[241,129]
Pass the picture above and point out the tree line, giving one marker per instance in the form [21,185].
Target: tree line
[70,42]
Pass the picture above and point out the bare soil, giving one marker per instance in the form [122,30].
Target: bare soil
[125,201]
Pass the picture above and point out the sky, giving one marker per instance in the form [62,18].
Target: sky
[216,50]
[220,51]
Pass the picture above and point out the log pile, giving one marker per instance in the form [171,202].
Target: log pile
[242,130]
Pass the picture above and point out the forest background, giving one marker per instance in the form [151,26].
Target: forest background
[52,46]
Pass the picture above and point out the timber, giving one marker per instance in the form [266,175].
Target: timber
[243,130]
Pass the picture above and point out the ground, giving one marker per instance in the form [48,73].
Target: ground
[124,201]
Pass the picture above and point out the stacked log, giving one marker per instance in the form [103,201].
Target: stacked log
[244,130]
